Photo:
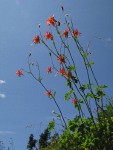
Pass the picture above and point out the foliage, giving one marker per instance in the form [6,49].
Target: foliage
[51,125]
[84,134]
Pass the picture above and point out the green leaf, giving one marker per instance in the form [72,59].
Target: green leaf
[67,96]
[68,83]
[85,54]
[75,134]
[98,88]
[54,94]
[101,94]
[54,112]
[80,48]
[90,63]
[71,68]
[81,101]
[89,85]
[90,95]
[51,125]
[59,32]
[85,86]
[39,79]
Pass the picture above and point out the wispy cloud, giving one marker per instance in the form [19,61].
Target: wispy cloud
[2,95]
[2,82]
[7,132]
[108,40]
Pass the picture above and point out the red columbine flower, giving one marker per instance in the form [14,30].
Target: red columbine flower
[48,35]
[49,70]
[62,71]
[74,101]
[19,73]
[61,59]
[48,93]
[69,74]
[36,39]
[76,33]
[51,20]
[65,33]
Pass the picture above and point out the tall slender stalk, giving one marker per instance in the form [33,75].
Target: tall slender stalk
[56,103]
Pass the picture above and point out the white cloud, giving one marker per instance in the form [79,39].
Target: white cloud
[7,132]
[2,82]
[2,95]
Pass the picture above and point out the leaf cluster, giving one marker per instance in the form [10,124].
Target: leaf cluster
[85,135]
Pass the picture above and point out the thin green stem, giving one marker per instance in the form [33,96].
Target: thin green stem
[47,90]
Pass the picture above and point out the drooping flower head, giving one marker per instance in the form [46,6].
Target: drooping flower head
[62,71]
[36,39]
[48,93]
[19,73]
[65,33]
[48,35]
[61,59]
[49,70]
[74,101]
[69,75]
[51,21]
[76,33]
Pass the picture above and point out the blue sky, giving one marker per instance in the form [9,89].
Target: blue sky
[22,102]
